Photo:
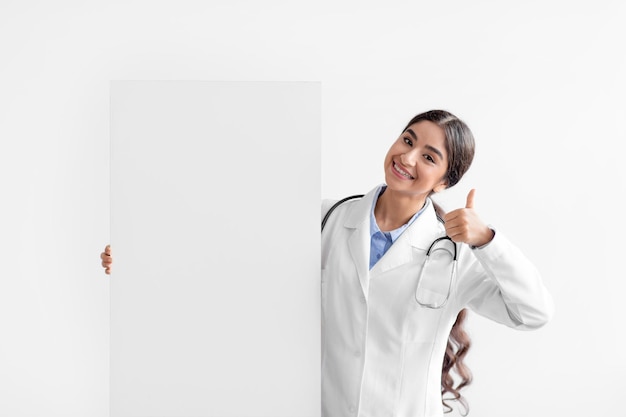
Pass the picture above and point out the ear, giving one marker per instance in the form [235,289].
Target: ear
[441,186]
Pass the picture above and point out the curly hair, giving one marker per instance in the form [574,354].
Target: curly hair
[458,346]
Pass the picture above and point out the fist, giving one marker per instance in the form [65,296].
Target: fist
[107,260]
[464,226]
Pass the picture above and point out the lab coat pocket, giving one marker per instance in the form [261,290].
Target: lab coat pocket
[435,280]
[426,289]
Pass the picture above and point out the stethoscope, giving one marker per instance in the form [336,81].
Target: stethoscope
[436,245]
[432,248]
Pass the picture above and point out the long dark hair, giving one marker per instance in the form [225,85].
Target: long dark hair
[460,147]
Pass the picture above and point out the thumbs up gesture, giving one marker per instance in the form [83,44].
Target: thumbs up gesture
[464,225]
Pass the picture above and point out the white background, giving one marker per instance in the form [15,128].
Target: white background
[539,82]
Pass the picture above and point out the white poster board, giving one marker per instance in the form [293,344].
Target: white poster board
[215,192]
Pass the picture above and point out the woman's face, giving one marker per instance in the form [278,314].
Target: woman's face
[417,162]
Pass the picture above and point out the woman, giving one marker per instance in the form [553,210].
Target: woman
[384,336]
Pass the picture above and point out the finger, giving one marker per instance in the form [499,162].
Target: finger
[448,217]
[450,222]
[454,215]
[456,235]
[457,228]
[470,199]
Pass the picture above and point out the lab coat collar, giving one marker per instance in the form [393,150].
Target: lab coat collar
[360,211]
[424,229]
[413,242]
[359,241]
[420,234]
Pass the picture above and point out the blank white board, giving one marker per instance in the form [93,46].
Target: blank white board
[215,192]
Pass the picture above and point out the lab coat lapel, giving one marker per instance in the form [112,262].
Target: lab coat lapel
[359,241]
[413,242]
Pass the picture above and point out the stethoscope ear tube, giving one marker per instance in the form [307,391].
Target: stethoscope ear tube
[430,248]
[337,204]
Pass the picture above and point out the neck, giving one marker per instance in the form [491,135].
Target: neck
[395,209]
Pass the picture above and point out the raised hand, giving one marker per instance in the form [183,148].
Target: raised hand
[464,225]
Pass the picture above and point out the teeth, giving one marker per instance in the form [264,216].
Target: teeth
[401,171]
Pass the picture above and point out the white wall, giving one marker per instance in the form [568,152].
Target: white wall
[540,83]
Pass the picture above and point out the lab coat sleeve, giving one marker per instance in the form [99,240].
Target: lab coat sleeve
[501,284]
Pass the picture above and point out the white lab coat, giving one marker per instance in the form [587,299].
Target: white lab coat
[382,353]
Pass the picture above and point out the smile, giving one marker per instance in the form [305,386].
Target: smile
[402,172]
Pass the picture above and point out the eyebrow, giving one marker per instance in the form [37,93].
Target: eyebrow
[430,148]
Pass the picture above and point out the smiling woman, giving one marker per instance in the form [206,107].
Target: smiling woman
[394,297]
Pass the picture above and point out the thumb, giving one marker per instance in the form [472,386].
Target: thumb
[470,199]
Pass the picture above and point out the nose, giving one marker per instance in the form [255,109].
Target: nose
[408,159]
